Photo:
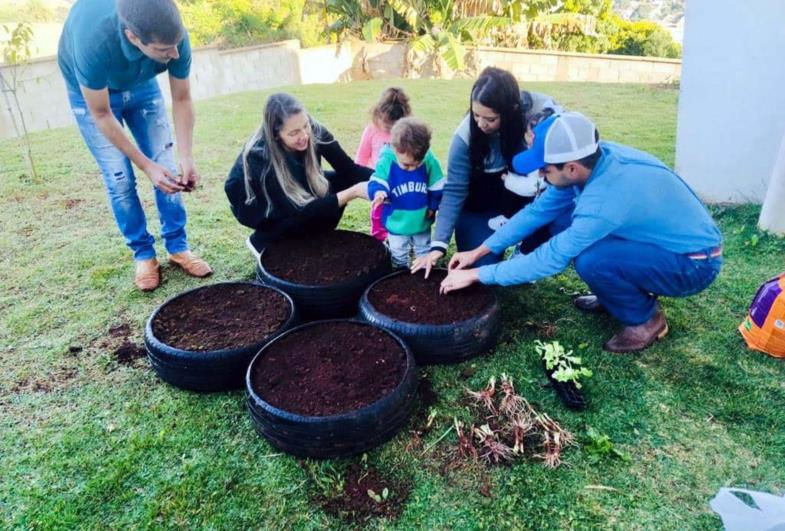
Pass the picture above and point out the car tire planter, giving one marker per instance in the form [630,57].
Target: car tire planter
[439,343]
[327,301]
[211,370]
[334,435]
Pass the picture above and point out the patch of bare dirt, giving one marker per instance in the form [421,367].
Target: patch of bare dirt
[71,204]
[118,342]
[47,383]
[367,493]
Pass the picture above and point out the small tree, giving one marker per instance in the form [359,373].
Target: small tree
[16,54]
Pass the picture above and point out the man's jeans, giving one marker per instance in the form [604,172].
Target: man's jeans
[628,276]
[144,111]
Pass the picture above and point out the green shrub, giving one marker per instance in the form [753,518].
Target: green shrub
[236,23]
[641,37]
[30,11]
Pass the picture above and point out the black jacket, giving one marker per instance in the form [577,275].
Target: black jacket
[285,218]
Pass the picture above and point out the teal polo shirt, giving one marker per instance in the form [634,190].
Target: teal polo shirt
[95,53]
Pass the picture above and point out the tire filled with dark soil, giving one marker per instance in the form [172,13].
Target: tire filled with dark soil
[331,388]
[439,328]
[324,273]
[204,339]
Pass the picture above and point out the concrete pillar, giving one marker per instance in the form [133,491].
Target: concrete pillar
[772,215]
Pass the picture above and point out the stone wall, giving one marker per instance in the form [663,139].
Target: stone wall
[216,72]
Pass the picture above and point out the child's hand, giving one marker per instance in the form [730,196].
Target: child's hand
[378,198]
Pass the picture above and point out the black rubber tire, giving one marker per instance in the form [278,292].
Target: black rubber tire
[331,436]
[328,301]
[439,344]
[216,370]
[568,393]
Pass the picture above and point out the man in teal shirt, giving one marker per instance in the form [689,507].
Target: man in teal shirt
[637,230]
[109,53]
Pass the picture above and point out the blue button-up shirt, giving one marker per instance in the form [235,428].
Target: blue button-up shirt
[95,53]
[630,194]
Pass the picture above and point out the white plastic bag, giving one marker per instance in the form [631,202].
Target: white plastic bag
[737,515]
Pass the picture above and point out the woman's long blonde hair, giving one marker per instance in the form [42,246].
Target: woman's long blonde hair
[277,110]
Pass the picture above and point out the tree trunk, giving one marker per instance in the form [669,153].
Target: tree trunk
[7,87]
[772,215]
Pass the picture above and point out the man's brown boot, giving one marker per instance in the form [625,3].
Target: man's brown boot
[588,303]
[148,274]
[639,337]
[191,264]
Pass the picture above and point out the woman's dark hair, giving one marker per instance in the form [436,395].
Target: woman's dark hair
[497,89]
[541,116]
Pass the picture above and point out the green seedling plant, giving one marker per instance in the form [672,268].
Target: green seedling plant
[379,498]
[600,446]
[563,365]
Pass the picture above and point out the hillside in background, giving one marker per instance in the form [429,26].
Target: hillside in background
[668,13]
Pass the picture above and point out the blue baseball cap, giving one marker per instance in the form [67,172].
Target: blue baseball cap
[560,138]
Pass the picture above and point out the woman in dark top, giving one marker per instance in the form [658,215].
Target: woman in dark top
[277,186]
[480,156]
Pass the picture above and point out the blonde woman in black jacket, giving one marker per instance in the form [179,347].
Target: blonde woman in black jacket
[277,186]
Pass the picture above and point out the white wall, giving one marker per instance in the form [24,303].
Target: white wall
[732,100]
[216,72]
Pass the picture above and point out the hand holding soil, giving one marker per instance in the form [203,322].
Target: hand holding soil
[162,178]
[189,177]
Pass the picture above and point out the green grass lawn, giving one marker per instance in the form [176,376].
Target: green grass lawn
[87,441]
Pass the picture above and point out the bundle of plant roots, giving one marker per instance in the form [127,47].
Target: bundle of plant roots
[506,427]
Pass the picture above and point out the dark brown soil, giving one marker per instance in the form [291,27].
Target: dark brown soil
[415,299]
[329,368]
[355,504]
[121,331]
[327,258]
[221,316]
[128,352]
[426,396]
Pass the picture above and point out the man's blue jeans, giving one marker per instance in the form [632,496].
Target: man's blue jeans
[144,111]
[628,276]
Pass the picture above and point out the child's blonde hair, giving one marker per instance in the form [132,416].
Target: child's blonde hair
[411,136]
[391,107]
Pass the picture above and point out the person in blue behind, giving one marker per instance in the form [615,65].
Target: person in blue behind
[409,180]
[638,231]
[109,54]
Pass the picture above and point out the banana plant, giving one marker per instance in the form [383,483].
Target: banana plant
[437,27]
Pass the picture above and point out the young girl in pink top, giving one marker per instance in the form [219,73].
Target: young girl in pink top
[391,107]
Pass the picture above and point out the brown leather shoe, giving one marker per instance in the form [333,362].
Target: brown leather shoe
[148,274]
[191,264]
[588,303]
[635,338]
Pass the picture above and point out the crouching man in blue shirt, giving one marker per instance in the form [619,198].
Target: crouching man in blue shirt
[109,53]
[637,231]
